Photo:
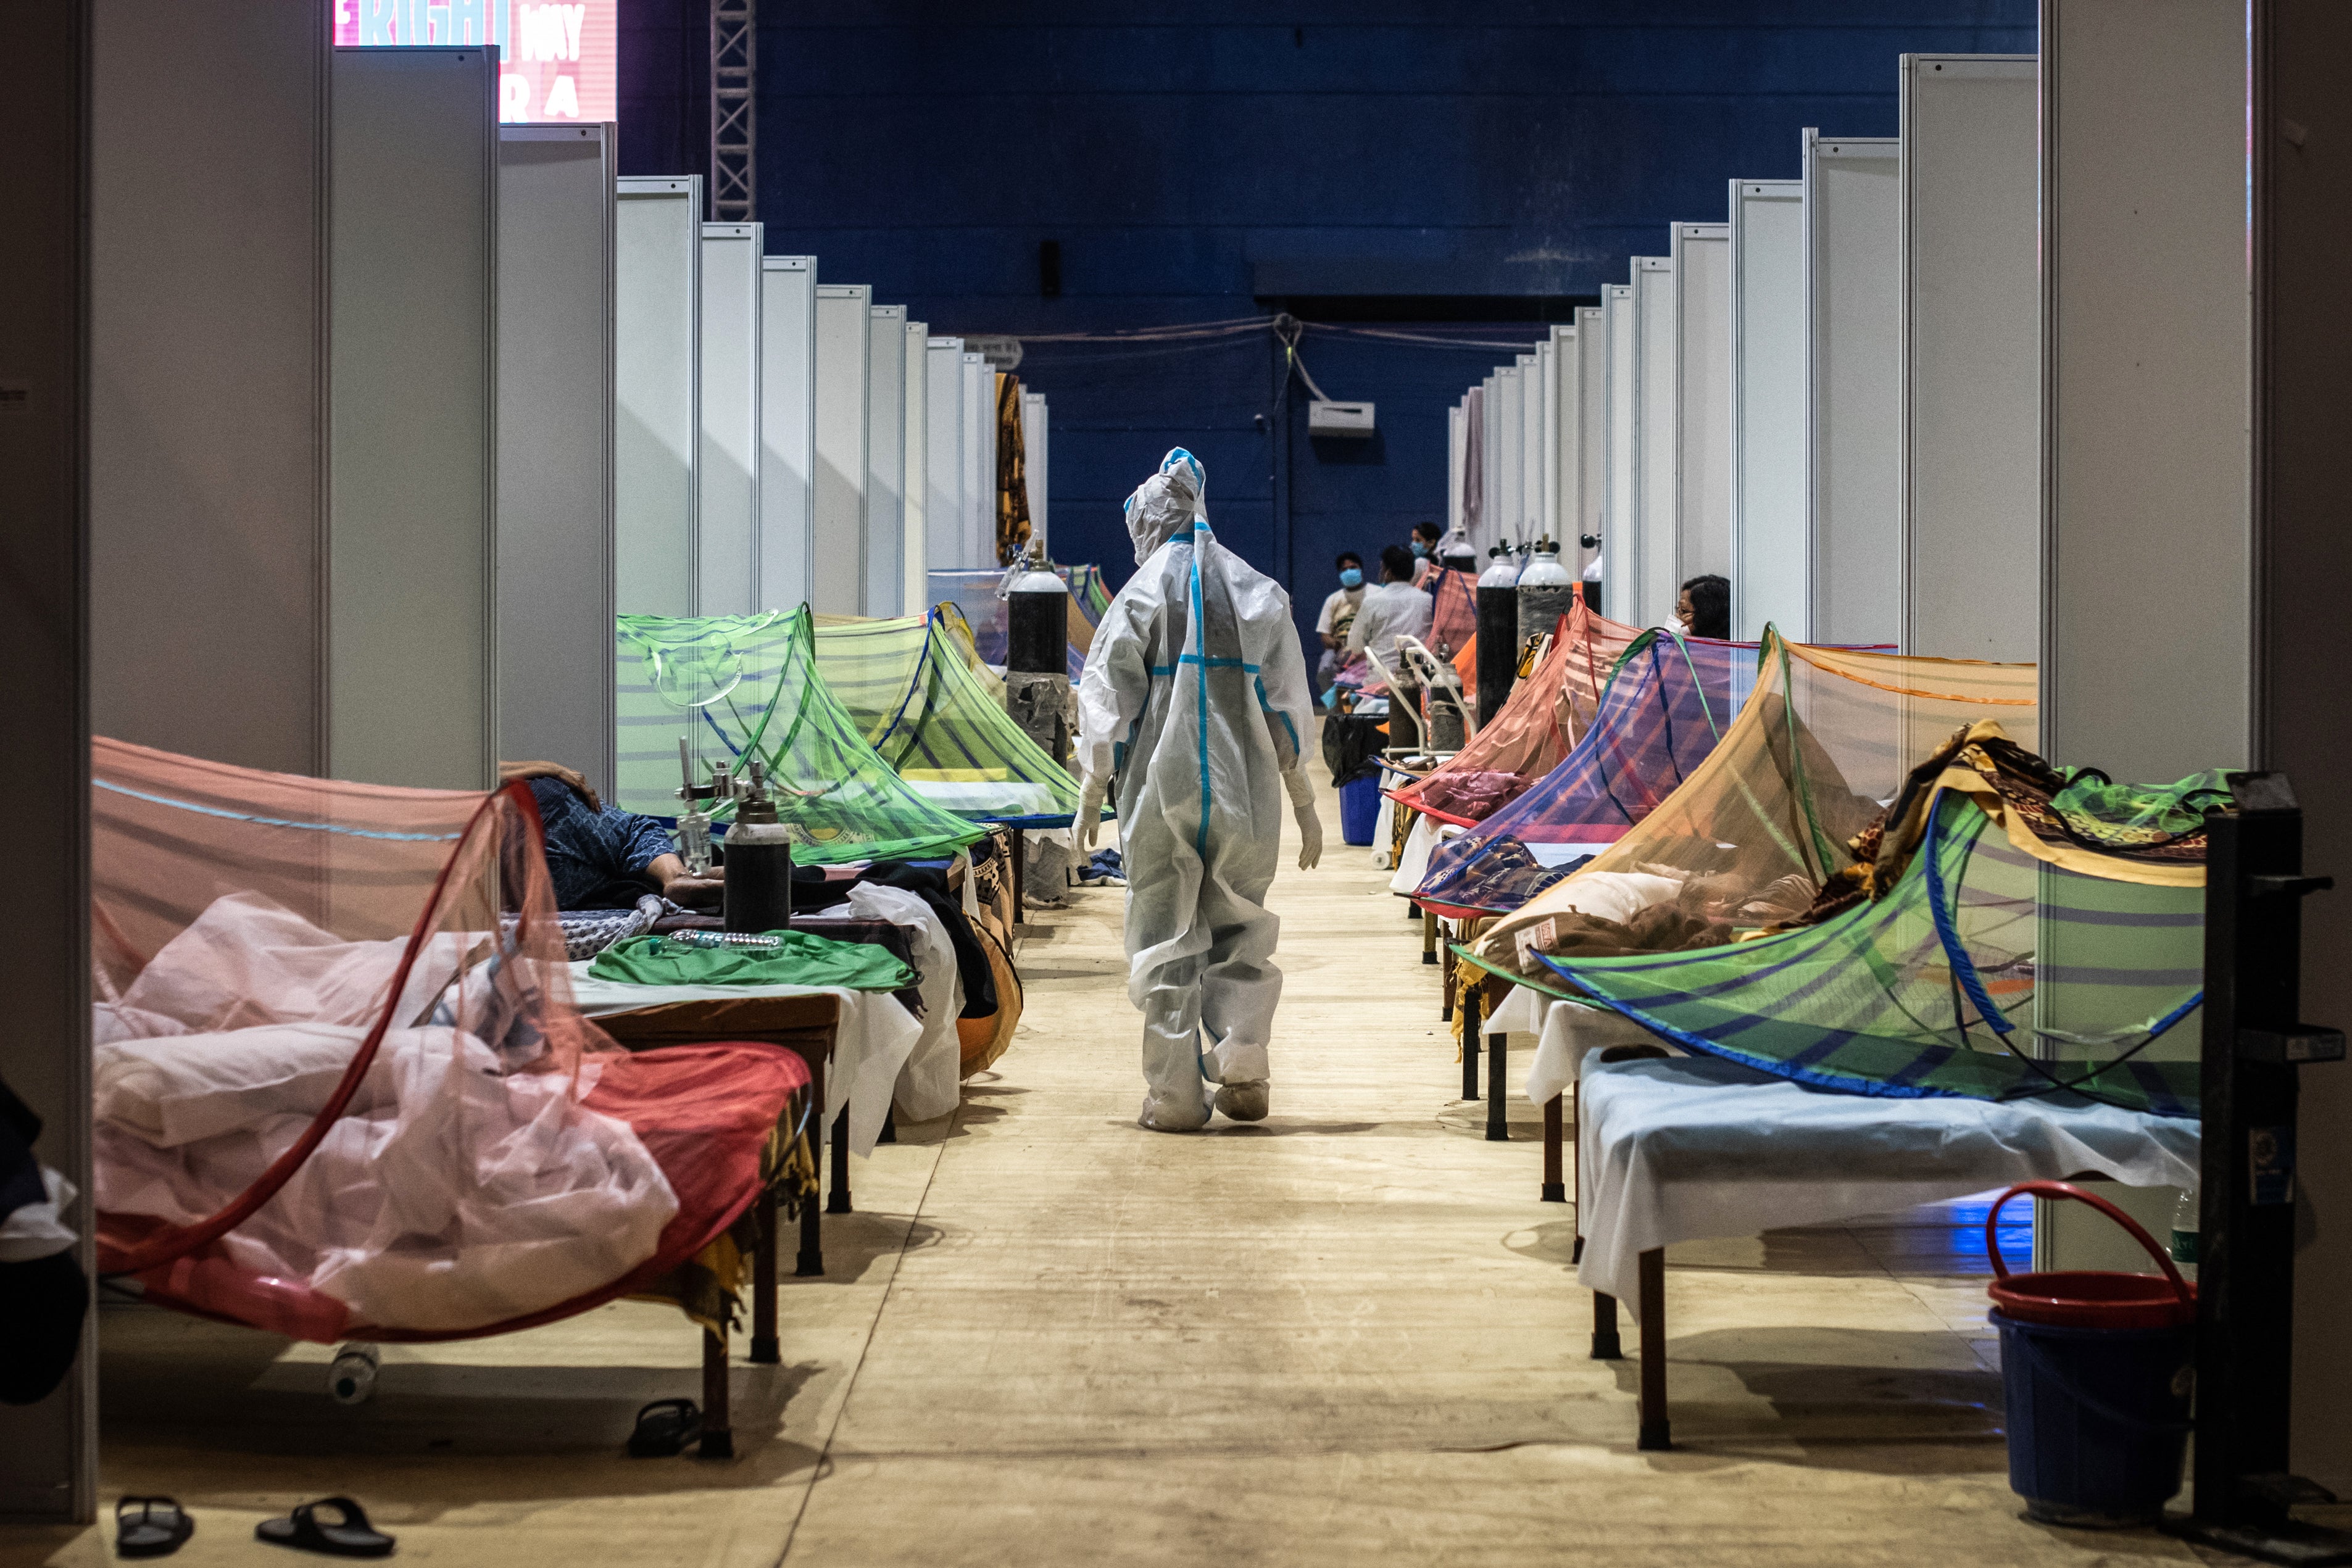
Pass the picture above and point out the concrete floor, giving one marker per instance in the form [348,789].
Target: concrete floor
[1046,1336]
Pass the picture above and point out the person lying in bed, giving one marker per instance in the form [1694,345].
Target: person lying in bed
[601,857]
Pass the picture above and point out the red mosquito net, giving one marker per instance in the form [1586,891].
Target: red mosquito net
[341,1090]
[1549,708]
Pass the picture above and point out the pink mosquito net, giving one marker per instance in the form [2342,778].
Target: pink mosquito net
[341,1090]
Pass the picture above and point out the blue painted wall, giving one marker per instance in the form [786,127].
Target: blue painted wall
[1196,157]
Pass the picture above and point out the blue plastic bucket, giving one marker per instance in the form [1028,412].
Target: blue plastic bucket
[1360,808]
[2097,1369]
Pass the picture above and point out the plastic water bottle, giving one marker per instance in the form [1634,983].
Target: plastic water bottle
[2183,1246]
[351,1380]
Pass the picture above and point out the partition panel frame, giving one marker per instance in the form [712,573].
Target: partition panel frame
[1971,366]
[1563,434]
[1702,258]
[949,470]
[1545,432]
[844,362]
[1853,290]
[1771,383]
[1620,535]
[556,206]
[787,553]
[726,508]
[1532,437]
[1036,439]
[1511,435]
[1490,458]
[658,394]
[979,458]
[915,495]
[1592,434]
[886,456]
[1457,435]
[412,546]
[1654,434]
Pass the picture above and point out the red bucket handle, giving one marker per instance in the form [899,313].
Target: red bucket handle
[2068,1189]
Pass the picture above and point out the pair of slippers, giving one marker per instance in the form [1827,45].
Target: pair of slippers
[159,1526]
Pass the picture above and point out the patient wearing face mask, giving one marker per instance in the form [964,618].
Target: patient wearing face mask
[1339,614]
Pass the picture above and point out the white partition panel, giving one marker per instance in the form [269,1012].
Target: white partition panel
[1035,434]
[787,553]
[980,459]
[1592,480]
[555,445]
[1853,223]
[2147,366]
[1510,438]
[207,469]
[1621,532]
[886,462]
[944,427]
[843,320]
[1457,434]
[1655,435]
[1550,430]
[726,534]
[1771,378]
[1490,466]
[1534,435]
[1562,429]
[915,496]
[1702,258]
[1971,357]
[411,491]
[658,394]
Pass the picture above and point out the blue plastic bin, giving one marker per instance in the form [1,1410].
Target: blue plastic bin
[1360,808]
[2097,1368]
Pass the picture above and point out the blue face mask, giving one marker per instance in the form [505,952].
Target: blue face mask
[1420,548]
[1351,578]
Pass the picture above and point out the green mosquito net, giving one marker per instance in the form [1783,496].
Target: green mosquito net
[908,686]
[2007,932]
[733,687]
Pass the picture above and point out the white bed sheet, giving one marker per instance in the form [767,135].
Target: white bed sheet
[875,1039]
[1564,1033]
[1684,1148]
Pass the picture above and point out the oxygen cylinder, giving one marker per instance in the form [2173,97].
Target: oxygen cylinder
[1036,666]
[759,861]
[1498,633]
[1547,591]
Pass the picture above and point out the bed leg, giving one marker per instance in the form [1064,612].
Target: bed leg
[1606,1346]
[1445,999]
[810,1264]
[1470,1043]
[765,1349]
[837,1201]
[1555,1186]
[1651,1308]
[1428,937]
[1499,1088]
[718,1433]
[889,1134]
[1020,882]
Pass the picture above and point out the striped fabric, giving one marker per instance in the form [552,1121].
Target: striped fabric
[1984,973]
[1668,703]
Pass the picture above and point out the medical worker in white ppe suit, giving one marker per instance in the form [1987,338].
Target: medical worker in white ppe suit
[1194,707]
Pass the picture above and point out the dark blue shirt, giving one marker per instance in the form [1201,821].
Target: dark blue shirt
[595,858]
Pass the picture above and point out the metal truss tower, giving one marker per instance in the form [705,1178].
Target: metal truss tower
[734,144]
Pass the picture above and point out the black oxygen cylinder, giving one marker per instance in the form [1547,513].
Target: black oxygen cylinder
[759,867]
[1040,642]
[1498,637]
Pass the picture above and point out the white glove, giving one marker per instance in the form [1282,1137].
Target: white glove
[1302,811]
[1087,823]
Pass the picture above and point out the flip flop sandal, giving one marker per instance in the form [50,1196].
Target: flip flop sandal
[158,1528]
[664,1429]
[351,1537]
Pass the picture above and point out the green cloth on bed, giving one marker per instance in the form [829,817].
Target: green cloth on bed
[804,959]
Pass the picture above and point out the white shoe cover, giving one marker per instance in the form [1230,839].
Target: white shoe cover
[1160,1116]
[1244,1101]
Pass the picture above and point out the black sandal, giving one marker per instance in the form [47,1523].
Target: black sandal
[352,1537]
[664,1429]
[159,1529]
